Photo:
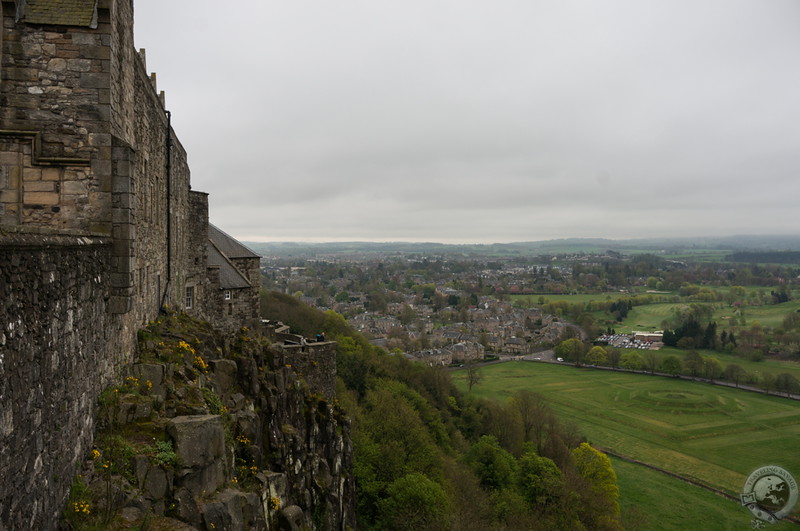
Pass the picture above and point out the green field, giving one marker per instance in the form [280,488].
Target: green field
[711,434]
[650,317]
[652,501]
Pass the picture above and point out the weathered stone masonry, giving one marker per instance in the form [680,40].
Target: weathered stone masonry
[98,231]
[58,344]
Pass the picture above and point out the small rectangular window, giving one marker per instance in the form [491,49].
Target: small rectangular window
[189,297]
[227,295]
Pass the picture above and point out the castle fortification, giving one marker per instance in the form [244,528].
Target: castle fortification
[99,230]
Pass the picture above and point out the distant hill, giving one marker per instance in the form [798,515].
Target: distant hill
[731,244]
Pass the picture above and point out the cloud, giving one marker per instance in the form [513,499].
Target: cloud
[484,121]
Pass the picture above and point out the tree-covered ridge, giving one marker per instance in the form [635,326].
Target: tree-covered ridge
[428,456]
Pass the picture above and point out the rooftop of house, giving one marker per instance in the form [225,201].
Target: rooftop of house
[228,245]
[59,12]
[229,276]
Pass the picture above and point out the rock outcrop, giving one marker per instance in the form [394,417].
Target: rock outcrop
[209,432]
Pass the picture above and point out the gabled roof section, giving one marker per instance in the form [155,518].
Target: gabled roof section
[228,245]
[229,276]
[58,12]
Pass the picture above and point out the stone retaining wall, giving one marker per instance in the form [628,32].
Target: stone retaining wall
[59,346]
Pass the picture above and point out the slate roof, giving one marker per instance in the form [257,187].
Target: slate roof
[60,12]
[229,276]
[228,245]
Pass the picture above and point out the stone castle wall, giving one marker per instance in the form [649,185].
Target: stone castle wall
[315,363]
[99,230]
[59,346]
[95,226]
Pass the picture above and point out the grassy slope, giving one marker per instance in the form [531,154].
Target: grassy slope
[715,435]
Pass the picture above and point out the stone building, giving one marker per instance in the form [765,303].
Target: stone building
[99,231]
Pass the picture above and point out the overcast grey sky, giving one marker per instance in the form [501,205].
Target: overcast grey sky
[484,120]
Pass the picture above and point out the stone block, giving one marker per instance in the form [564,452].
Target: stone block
[51,174]
[32,49]
[14,177]
[95,52]
[73,187]
[119,304]
[199,439]
[121,280]
[40,186]
[84,39]
[122,184]
[124,232]
[105,184]
[32,174]
[9,158]
[122,248]
[100,227]
[124,200]
[96,81]
[225,511]
[155,482]
[101,167]
[98,140]
[224,375]
[40,198]
[22,74]
[121,215]
[123,168]
[9,196]
[186,507]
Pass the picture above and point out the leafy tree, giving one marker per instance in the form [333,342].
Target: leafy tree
[473,374]
[502,423]
[495,467]
[651,360]
[601,510]
[342,296]
[407,315]
[509,507]
[571,350]
[734,373]
[768,382]
[672,365]
[614,356]
[693,362]
[539,480]
[786,383]
[414,502]
[597,356]
[530,407]
[712,368]
[632,361]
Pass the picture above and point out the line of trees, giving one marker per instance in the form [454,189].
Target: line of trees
[692,363]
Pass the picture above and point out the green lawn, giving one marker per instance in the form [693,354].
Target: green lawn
[715,435]
[652,501]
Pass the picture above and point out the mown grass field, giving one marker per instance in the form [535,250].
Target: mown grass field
[714,435]
[651,316]
[652,501]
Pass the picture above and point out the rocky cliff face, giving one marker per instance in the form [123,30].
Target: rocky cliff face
[211,432]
